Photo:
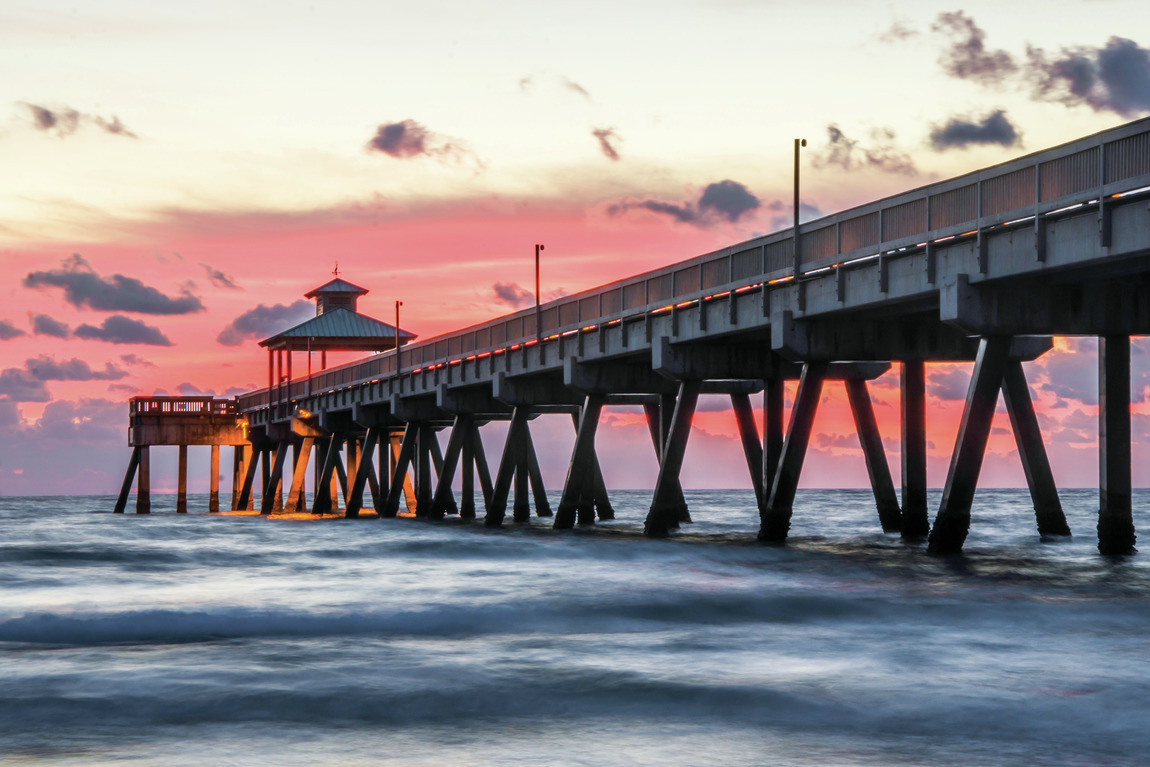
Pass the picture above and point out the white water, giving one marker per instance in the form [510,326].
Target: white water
[240,640]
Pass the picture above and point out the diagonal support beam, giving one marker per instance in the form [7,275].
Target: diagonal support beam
[481,469]
[539,493]
[362,472]
[272,499]
[579,481]
[1035,463]
[299,474]
[129,476]
[775,518]
[443,501]
[324,502]
[253,461]
[886,501]
[953,521]
[399,474]
[752,448]
[497,506]
[663,515]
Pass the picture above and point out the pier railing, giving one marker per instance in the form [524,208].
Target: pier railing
[181,406]
[1084,172]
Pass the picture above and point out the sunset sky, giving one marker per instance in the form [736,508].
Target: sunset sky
[177,176]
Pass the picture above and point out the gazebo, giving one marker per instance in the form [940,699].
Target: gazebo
[337,327]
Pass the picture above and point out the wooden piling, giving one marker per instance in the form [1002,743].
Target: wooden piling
[538,492]
[521,509]
[953,521]
[362,471]
[399,481]
[126,485]
[214,480]
[272,499]
[497,505]
[579,471]
[752,447]
[1116,534]
[912,385]
[467,472]
[182,480]
[144,482]
[299,473]
[442,501]
[663,515]
[774,391]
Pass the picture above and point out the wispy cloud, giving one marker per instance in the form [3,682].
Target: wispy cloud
[880,153]
[64,121]
[967,57]
[409,139]
[607,137]
[84,288]
[219,279]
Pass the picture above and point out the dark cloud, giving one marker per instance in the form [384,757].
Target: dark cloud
[511,294]
[1114,78]
[83,288]
[407,139]
[43,325]
[18,385]
[961,132]
[850,154]
[8,330]
[575,87]
[48,369]
[135,359]
[188,390]
[837,441]
[721,201]
[119,329]
[219,279]
[264,321]
[64,121]
[948,384]
[967,57]
[606,136]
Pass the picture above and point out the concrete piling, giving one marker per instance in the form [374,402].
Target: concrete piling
[1116,534]
[912,386]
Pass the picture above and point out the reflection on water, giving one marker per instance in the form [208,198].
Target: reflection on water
[237,639]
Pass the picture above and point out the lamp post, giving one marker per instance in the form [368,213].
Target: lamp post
[799,142]
[538,324]
[397,305]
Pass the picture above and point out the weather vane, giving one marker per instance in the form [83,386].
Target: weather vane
[335,271]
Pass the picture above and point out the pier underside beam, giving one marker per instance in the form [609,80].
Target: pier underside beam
[775,519]
[953,521]
[663,515]
[1035,463]
[912,385]
[129,476]
[579,485]
[886,501]
[1115,516]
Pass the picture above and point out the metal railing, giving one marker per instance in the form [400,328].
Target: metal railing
[1084,171]
[181,406]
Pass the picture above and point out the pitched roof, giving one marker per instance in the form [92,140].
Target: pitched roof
[336,286]
[341,324]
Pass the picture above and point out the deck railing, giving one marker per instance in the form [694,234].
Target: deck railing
[181,406]
[1085,171]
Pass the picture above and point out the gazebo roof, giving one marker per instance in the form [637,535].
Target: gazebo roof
[339,329]
[336,286]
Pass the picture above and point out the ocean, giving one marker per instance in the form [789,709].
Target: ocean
[217,639]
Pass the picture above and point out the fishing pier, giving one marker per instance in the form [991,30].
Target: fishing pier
[985,267]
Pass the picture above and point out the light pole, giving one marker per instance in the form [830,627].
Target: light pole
[799,142]
[397,305]
[538,324]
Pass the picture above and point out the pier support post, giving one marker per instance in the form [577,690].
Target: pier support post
[362,472]
[1116,534]
[299,473]
[775,519]
[325,499]
[752,448]
[182,480]
[437,463]
[272,498]
[399,474]
[538,492]
[659,424]
[251,458]
[774,390]
[467,472]
[497,506]
[239,468]
[423,472]
[912,385]
[482,469]
[953,521]
[126,486]
[1039,478]
[214,480]
[886,501]
[443,502]
[663,515]
[580,472]
[603,508]
[521,509]
[144,482]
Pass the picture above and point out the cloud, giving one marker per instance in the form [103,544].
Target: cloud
[8,330]
[407,139]
[64,121]
[807,212]
[135,359]
[219,279]
[126,388]
[1114,78]
[721,201]
[897,32]
[89,420]
[575,87]
[18,385]
[46,368]
[83,288]
[119,329]
[264,321]
[43,325]
[967,57]
[526,84]
[188,390]
[511,294]
[605,137]
[850,155]
[950,383]
[961,132]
